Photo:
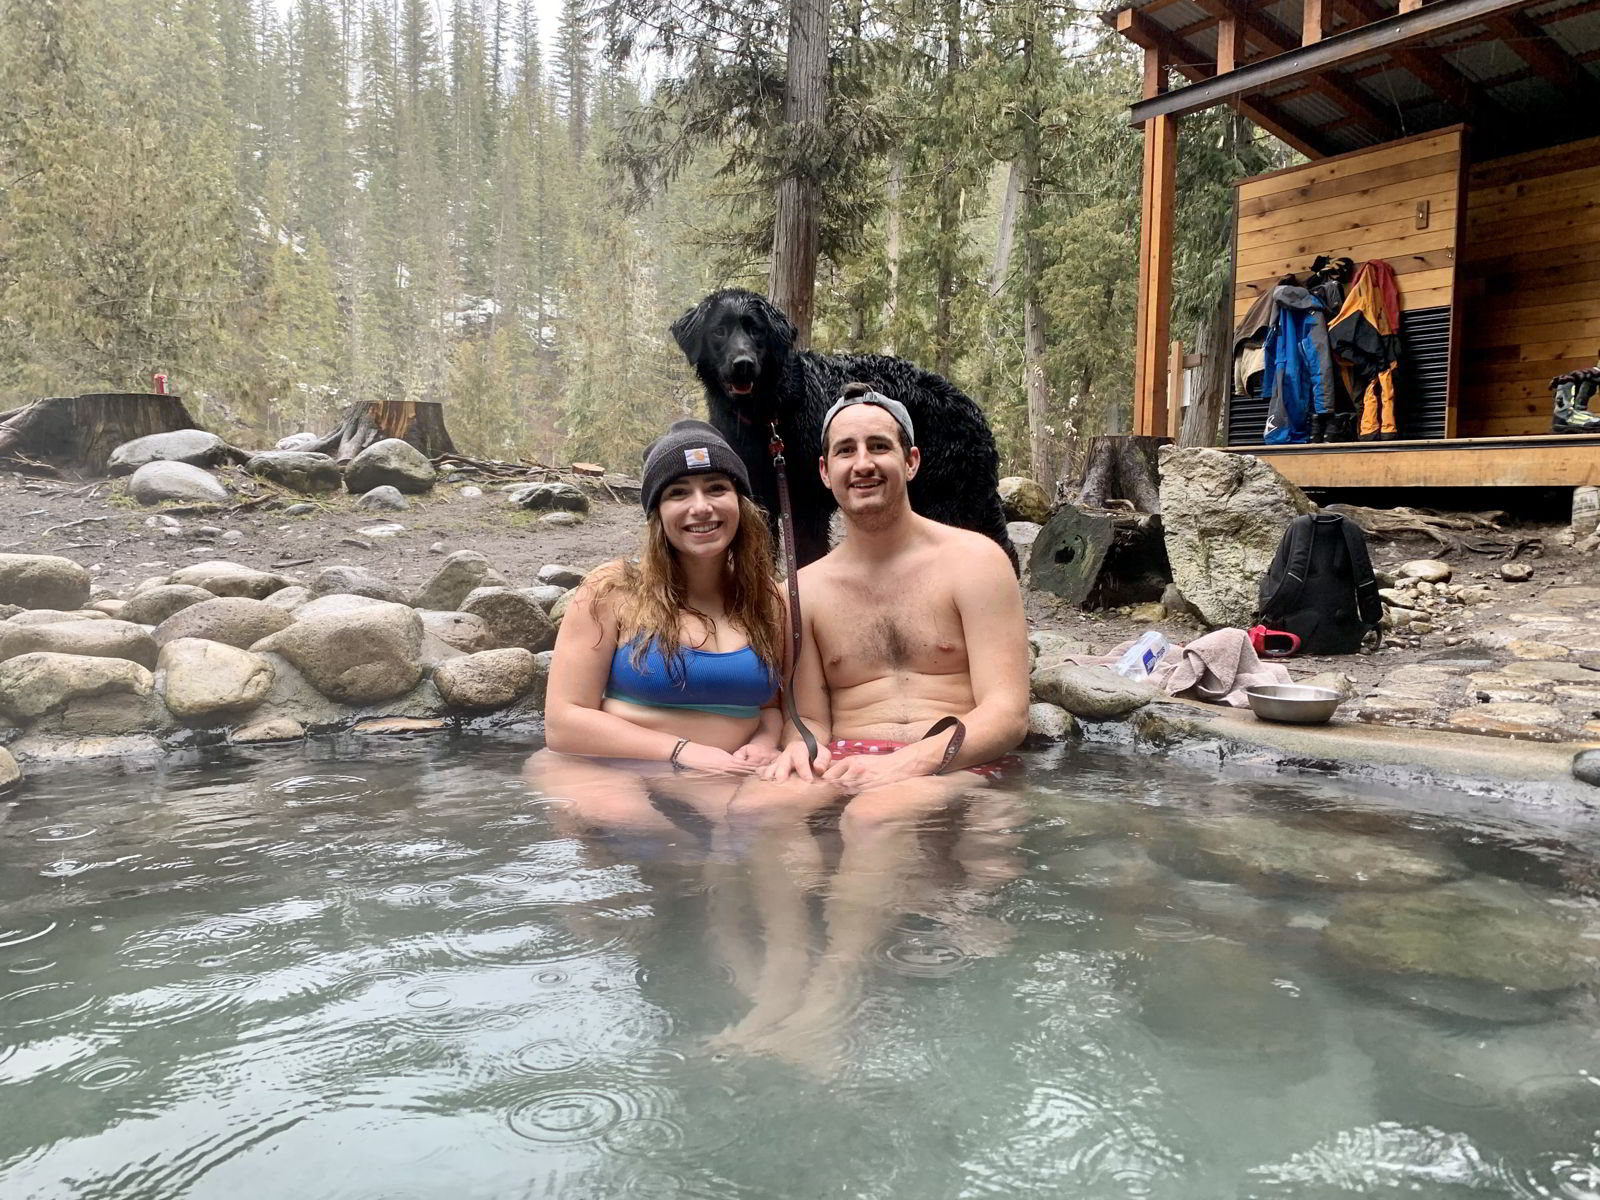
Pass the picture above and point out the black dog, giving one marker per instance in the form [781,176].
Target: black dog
[741,346]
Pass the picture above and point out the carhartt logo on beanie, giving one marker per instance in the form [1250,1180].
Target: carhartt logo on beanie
[688,448]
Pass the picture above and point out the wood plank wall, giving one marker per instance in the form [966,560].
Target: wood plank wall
[1362,204]
[1530,278]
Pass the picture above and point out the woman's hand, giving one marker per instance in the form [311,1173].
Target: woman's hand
[695,757]
[793,762]
[756,754]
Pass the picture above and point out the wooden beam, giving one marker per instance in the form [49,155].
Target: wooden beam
[1175,365]
[1311,22]
[1228,45]
[1527,39]
[1278,40]
[1138,29]
[1330,54]
[1153,316]
[1565,460]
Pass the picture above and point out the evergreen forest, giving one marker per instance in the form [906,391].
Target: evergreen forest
[290,206]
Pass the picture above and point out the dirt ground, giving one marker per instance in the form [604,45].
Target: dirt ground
[94,523]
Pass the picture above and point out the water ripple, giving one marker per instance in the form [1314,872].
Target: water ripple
[520,935]
[571,1116]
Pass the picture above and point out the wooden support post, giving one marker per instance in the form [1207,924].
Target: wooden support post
[1228,46]
[1311,22]
[1175,363]
[1410,5]
[1153,316]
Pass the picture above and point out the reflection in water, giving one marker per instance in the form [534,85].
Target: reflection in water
[412,974]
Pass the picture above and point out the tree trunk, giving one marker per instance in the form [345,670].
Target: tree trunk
[891,242]
[1043,451]
[420,422]
[796,235]
[1008,221]
[1122,467]
[1204,415]
[82,431]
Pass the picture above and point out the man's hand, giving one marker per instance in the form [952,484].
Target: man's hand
[756,754]
[862,771]
[793,762]
[695,757]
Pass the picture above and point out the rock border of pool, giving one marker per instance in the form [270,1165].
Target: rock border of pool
[1529,774]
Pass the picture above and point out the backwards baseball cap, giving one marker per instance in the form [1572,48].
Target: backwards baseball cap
[859,393]
[688,448]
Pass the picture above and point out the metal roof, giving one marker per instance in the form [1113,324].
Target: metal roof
[1524,79]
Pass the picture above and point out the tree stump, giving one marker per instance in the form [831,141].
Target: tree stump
[82,431]
[1123,467]
[1135,569]
[1067,554]
[420,422]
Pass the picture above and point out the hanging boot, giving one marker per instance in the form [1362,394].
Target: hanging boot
[1319,427]
[1570,412]
[1342,427]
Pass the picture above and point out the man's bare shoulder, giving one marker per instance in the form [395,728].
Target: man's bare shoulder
[961,551]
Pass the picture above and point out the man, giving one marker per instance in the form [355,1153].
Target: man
[906,622]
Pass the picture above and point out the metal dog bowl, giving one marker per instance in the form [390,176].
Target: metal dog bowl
[1293,702]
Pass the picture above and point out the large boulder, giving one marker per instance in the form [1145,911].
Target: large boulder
[1223,515]
[55,616]
[297,470]
[1092,693]
[465,632]
[513,619]
[390,463]
[337,602]
[1024,500]
[293,696]
[201,680]
[551,497]
[9,771]
[232,620]
[155,605]
[384,499]
[222,578]
[42,581]
[297,441]
[489,680]
[354,581]
[32,685]
[291,598]
[93,639]
[459,574]
[356,657]
[159,481]
[194,447]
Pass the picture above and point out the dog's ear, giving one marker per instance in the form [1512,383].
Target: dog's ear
[782,328]
[689,331]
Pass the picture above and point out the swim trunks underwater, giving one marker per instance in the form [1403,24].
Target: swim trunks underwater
[999,768]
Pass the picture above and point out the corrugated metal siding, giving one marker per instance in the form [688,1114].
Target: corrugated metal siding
[1422,388]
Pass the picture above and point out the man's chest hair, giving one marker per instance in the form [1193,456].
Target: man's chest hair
[893,624]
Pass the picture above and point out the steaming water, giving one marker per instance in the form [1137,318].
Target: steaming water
[399,972]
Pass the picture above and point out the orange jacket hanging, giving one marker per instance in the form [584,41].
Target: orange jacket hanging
[1365,336]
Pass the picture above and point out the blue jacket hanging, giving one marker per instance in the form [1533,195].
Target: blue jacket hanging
[1299,377]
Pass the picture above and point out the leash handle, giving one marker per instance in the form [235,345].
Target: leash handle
[956,738]
[786,520]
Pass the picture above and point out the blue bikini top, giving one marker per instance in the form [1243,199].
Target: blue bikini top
[735,683]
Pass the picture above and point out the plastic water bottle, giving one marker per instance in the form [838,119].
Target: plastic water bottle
[1139,659]
[1585,510]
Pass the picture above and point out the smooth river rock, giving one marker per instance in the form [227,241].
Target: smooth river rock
[354,581]
[156,482]
[457,575]
[97,639]
[552,497]
[223,578]
[1092,693]
[1261,852]
[390,463]
[32,685]
[10,773]
[42,581]
[298,470]
[560,575]
[487,680]
[464,631]
[155,605]
[1495,934]
[232,620]
[1024,500]
[357,657]
[194,447]
[1050,723]
[513,619]
[208,679]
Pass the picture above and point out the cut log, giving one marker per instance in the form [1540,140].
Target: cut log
[420,422]
[1122,467]
[1135,569]
[1068,553]
[82,431]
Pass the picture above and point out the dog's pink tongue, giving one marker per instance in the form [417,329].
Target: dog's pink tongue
[740,389]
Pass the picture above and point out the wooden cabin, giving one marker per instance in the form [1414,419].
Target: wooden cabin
[1459,141]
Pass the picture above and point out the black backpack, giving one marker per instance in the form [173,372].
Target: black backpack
[1320,586]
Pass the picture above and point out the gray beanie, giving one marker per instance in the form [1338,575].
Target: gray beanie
[894,408]
[688,448]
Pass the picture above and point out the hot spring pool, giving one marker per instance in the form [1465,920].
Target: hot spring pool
[397,971]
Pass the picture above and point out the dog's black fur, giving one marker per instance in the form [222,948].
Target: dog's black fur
[741,346]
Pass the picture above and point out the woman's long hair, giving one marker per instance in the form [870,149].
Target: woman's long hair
[651,595]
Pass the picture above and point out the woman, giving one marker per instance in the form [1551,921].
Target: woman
[673,662]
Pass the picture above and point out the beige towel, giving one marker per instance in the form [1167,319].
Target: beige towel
[1216,667]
